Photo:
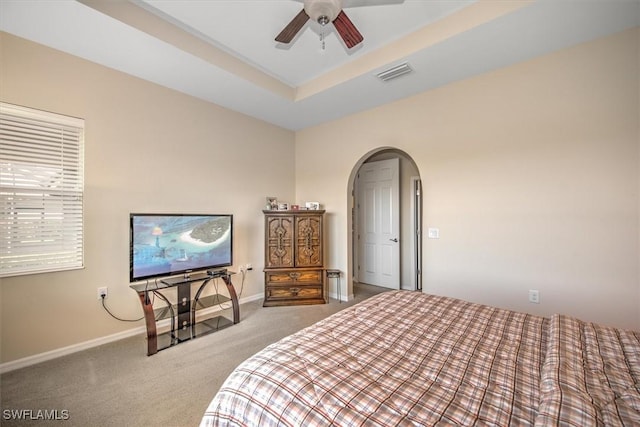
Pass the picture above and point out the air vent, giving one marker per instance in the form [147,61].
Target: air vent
[395,72]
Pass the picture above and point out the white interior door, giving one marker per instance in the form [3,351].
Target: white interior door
[379,223]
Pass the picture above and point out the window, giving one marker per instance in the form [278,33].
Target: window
[41,191]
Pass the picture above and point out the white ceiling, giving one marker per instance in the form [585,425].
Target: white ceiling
[223,51]
[248,30]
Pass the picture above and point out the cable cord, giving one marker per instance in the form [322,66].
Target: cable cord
[244,273]
[116,317]
[215,284]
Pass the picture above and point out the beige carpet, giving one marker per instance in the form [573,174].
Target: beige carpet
[118,385]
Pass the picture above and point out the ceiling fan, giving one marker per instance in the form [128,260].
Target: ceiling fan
[323,12]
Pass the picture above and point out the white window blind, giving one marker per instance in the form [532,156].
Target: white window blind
[41,190]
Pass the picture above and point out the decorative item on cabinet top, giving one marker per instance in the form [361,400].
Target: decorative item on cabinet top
[272,204]
[294,262]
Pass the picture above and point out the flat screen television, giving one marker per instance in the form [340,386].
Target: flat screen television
[171,244]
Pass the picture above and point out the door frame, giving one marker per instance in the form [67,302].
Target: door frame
[351,218]
[416,228]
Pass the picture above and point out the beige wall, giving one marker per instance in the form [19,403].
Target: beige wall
[148,149]
[531,173]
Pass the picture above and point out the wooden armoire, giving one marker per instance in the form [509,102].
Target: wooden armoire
[294,259]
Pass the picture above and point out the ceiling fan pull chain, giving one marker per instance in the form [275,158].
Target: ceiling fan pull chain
[322,38]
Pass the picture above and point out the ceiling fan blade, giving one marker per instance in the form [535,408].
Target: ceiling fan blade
[292,28]
[347,30]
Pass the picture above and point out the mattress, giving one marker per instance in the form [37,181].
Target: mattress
[412,359]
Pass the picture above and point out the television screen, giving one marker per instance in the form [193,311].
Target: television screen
[168,244]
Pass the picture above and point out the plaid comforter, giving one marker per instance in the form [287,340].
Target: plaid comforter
[412,359]
[591,375]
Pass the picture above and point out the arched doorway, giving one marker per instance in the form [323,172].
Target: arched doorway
[408,211]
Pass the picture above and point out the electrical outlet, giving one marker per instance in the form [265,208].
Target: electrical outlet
[534,296]
[103,291]
[249,267]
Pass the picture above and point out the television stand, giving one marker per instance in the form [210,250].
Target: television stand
[183,313]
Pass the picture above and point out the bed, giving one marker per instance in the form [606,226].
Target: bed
[412,359]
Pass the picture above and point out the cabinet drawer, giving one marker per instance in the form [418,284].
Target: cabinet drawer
[294,292]
[304,277]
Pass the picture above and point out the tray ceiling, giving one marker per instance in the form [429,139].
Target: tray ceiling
[224,52]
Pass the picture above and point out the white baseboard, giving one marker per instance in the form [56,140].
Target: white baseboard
[63,351]
[334,296]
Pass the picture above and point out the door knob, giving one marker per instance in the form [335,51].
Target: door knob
[394,240]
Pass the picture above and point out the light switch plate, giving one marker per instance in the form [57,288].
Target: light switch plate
[433,233]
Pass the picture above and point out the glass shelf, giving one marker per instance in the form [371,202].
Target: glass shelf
[204,302]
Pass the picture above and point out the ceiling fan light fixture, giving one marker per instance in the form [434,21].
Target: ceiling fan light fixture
[323,11]
[323,20]
[395,72]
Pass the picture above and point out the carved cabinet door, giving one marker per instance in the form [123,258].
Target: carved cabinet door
[308,247]
[280,241]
